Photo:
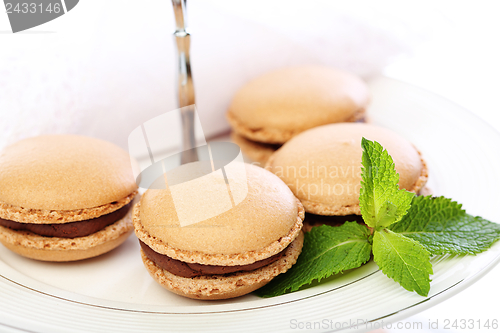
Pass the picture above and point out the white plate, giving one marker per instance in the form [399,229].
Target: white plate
[115,293]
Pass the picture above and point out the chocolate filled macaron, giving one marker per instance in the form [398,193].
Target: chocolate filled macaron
[228,255]
[274,107]
[65,197]
[322,167]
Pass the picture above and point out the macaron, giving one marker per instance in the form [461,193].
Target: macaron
[65,197]
[278,105]
[228,255]
[322,166]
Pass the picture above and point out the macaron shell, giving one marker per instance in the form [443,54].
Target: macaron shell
[276,106]
[268,213]
[45,216]
[242,258]
[224,287]
[64,172]
[322,166]
[43,248]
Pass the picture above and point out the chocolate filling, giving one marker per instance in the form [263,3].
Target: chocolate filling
[334,221]
[273,146]
[188,270]
[71,229]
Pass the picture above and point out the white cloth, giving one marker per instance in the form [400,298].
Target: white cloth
[108,66]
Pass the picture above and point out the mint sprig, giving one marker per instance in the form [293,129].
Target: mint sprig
[382,204]
[404,260]
[407,230]
[327,251]
[381,201]
[442,226]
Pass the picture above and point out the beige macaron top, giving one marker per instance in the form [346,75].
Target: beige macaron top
[64,172]
[267,220]
[322,166]
[276,106]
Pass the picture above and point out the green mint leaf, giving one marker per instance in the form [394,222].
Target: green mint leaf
[442,226]
[404,260]
[381,201]
[327,250]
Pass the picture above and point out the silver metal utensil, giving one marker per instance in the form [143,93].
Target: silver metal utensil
[185,84]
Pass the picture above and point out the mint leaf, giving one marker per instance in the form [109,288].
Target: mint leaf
[327,250]
[442,226]
[381,201]
[404,260]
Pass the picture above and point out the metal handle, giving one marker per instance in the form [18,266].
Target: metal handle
[185,83]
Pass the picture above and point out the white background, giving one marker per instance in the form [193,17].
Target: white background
[109,65]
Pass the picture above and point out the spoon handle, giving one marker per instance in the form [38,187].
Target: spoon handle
[185,83]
